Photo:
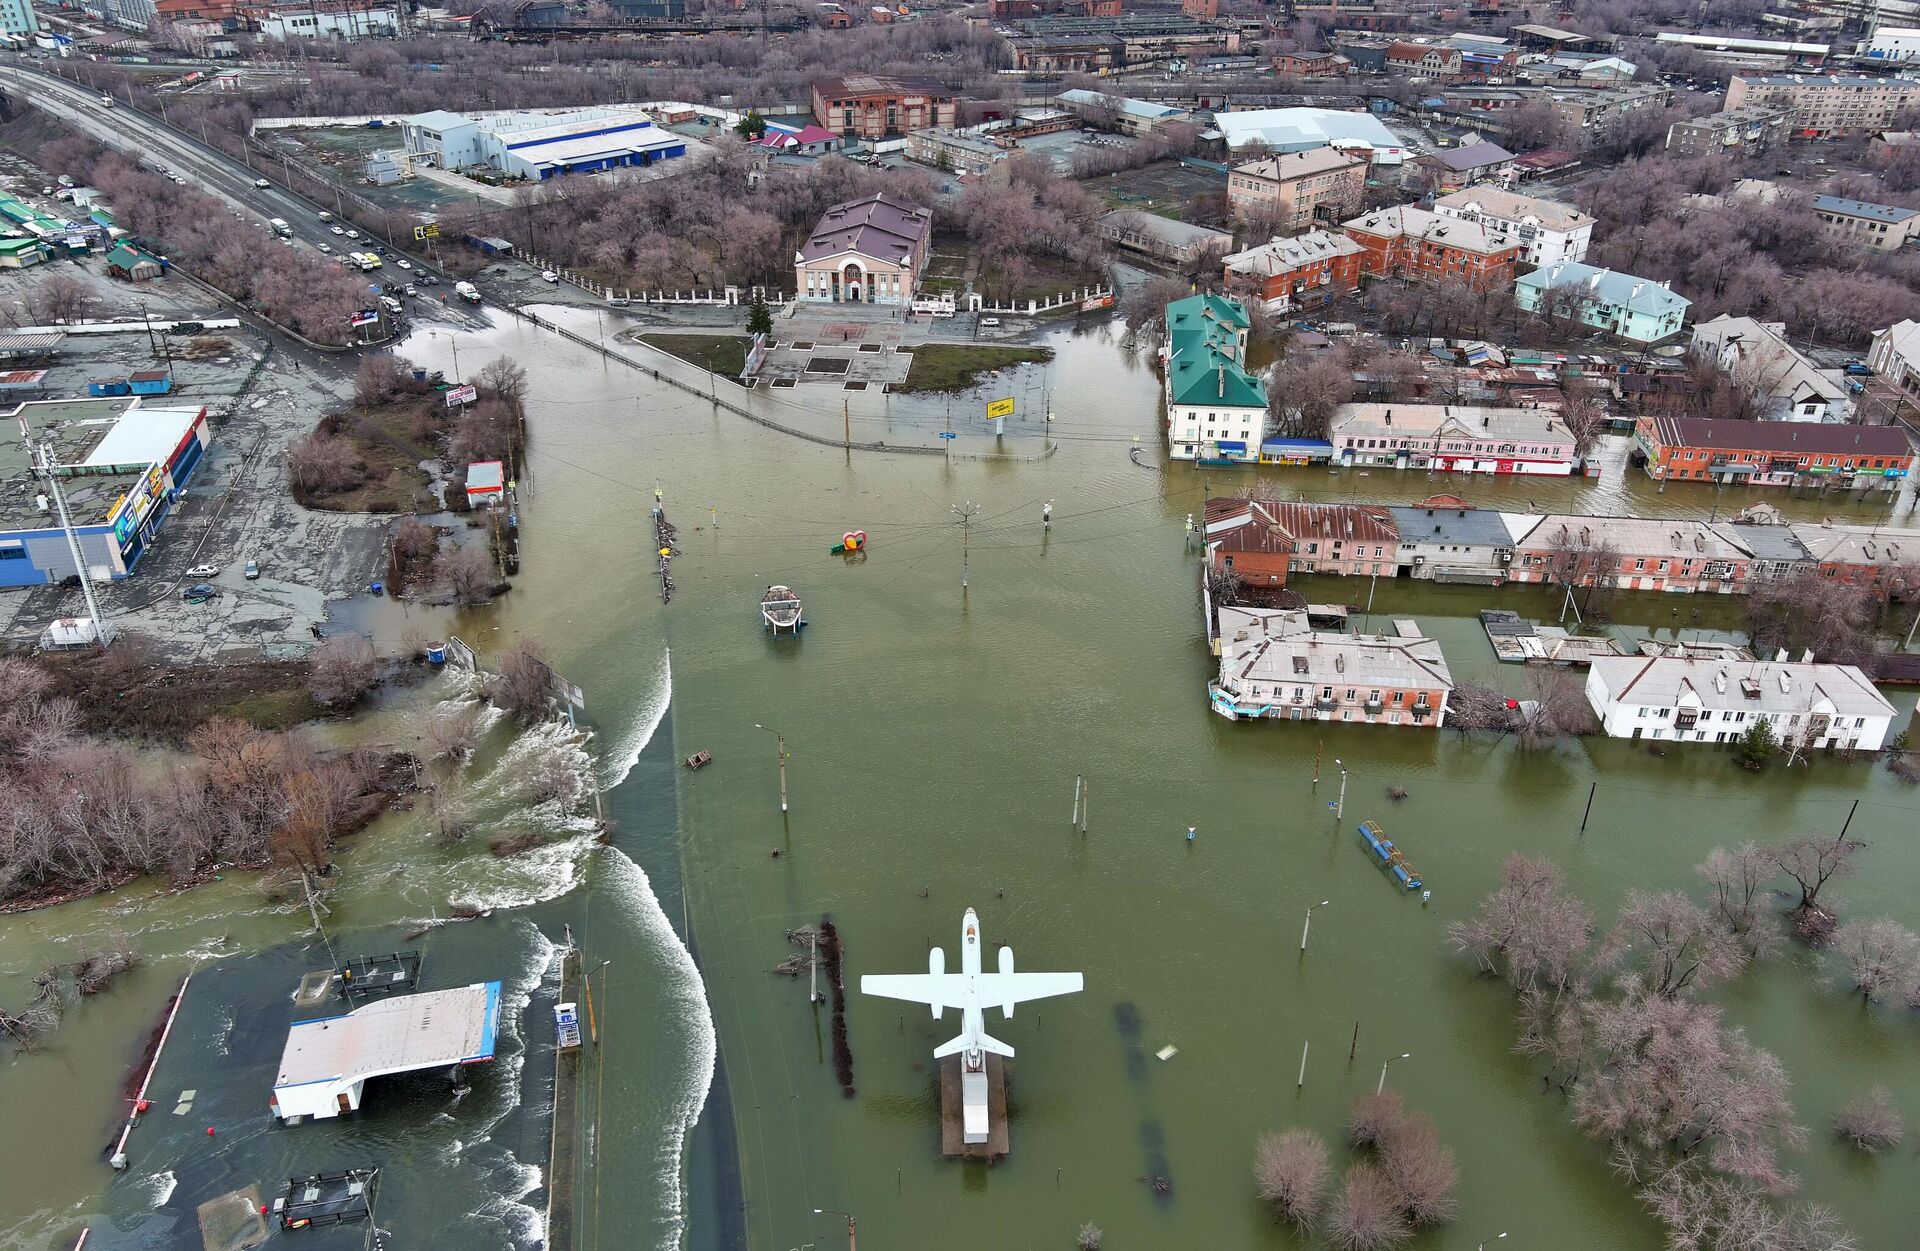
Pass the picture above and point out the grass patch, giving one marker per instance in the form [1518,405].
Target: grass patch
[391,440]
[1040,278]
[129,694]
[724,354]
[958,366]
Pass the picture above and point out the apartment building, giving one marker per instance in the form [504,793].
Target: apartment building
[1216,410]
[1454,169]
[1829,106]
[1895,356]
[1629,553]
[1421,60]
[1453,437]
[1877,557]
[1546,231]
[870,106]
[1300,272]
[1275,665]
[1690,700]
[1772,453]
[1881,227]
[1419,246]
[1294,190]
[1638,310]
[1750,131]
[1263,542]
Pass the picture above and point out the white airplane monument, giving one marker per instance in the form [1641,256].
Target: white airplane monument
[972,992]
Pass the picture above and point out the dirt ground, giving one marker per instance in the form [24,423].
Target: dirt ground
[1164,187]
[119,695]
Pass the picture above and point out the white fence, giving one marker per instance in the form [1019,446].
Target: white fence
[723,297]
[1088,298]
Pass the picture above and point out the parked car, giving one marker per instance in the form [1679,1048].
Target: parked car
[549,275]
[261,183]
[410,289]
[324,247]
[199,593]
[253,570]
[203,571]
[428,280]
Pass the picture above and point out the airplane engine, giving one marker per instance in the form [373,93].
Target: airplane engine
[1006,966]
[936,965]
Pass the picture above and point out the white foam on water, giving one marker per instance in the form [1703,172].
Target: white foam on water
[160,1186]
[626,753]
[628,882]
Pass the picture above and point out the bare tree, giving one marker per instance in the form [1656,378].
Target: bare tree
[1871,1122]
[1557,708]
[467,572]
[1089,1237]
[1739,881]
[1304,391]
[1585,418]
[1373,1119]
[1291,1171]
[504,379]
[1421,1170]
[379,378]
[1476,707]
[1367,1215]
[1882,957]
[1528,930]
[523,686]
[324,464]
[344,669]
[1671,944]
[1806,612]
[451,733]
[1813,862]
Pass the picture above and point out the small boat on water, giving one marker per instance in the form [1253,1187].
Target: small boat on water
[780,606]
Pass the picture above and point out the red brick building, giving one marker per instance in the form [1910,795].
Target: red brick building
[1773,453]
[1301,272]
[1422,60]
[1310,64]
[1419,246]
[868,106]
[1263,541]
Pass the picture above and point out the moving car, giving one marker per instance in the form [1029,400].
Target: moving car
[253,570]
[203,571]
[404,263]
[261,183]
[428,280]
[325,247]
[353,234]
[325,216]
[338,230]
[549,275]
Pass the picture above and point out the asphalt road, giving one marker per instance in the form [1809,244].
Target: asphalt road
[145,137]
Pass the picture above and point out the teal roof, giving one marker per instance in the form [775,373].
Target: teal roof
[1203,354]
[1606,286]
[126,256]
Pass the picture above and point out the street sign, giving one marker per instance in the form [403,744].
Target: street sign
[948,434]
[428,231]
[1000,408]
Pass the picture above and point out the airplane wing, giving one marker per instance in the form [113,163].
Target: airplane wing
[1006,989]
[937,990]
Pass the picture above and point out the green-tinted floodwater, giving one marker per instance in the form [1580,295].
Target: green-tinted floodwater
[935,737]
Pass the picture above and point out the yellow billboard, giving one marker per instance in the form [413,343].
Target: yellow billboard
[999,408]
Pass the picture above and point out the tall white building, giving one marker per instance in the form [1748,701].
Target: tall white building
[1680,699]
[347,23]
[1546,231]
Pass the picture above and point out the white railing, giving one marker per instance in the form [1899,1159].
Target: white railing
[1089,297]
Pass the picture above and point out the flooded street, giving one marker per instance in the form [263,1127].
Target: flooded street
[935,734]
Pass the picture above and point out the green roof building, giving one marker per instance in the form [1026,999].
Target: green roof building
[1216,410]
[20,253]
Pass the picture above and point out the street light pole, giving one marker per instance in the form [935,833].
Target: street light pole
[1309,924]
[838,1212]
[1340,807]
[1497,1237]
[1405,1055]
[780,741]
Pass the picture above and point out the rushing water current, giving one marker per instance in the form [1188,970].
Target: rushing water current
[934,734]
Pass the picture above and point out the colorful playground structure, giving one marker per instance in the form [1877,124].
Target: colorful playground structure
[1383,849]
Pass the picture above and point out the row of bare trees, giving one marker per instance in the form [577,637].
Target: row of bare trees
[299,289]
[1693,1112]
[78,814]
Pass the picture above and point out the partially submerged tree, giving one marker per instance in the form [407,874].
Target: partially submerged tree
[344,669]
[1804,612]
[1882,957]
[1812,862]
[1366,1216]
[1871,1122]
[524,685]
[1528,930]
[1291,1171]
[467,572]
[1738,879]
[1557,708]
[1671,945]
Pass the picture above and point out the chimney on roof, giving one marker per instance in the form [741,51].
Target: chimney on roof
[1806,657]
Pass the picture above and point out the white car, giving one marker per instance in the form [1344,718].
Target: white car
[404,263]
[549,275]
[989,321]
[203,571]
[261,183]
[353,234]
[325,247]
[338,230]
[325,216]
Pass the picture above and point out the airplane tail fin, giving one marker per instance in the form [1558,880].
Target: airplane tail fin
[958,1044]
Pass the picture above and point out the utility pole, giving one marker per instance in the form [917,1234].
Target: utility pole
[780,741]
[966,516]
[1340,805]
[73,543]
[846,427]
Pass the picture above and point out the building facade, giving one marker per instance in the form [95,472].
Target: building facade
[1297,190]
[1772,453]
[1686,700]
[1264,541]
[1453,437]
[1274,665]
[1882,227]
[1420,246]
[1751,131]
[1786,385]
[1452,169]
[1895,356]
[954,150]
[1883,559]
[1628,553]
[1829,106]
[1638,310]
[1162,238]
[1546,231]
[869,251]
[1216,410]
[1443,540]
[17,18]
[345,22]
[1302,272]
[537,146]
[871,106]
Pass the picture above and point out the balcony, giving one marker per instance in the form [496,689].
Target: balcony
[1324,704]
[1422,711]
[1374,707]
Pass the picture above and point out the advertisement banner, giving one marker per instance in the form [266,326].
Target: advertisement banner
[999,408]
[465,394]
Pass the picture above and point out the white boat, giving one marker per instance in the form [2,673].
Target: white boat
[780,606]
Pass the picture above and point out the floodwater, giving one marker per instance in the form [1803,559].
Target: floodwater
[935,732]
